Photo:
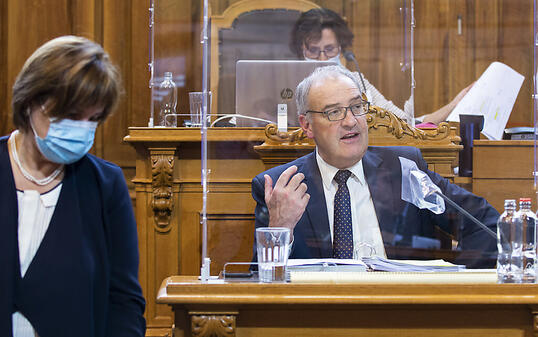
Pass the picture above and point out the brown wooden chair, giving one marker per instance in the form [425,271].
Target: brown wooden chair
[247,30]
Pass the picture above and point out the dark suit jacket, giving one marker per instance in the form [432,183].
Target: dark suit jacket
[398,219]
[83,280]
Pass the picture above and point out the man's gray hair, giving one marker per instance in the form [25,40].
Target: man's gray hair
[301,93]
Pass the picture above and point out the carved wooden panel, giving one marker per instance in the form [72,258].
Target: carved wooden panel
[162,166]
[213,325]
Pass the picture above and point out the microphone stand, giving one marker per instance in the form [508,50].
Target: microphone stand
[351,57]
[467,214]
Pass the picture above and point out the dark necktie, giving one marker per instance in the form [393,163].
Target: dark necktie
[343,230]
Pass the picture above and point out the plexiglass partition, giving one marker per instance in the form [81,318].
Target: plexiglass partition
[413,61]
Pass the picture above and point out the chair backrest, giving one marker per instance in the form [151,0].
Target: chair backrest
[246,30]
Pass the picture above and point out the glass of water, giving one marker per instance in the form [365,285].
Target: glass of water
[272,247]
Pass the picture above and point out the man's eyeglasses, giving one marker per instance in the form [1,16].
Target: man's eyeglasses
[339,113]
[315,52]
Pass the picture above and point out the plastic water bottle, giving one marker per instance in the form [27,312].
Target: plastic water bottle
[528,228]
[168,91]
[510,245]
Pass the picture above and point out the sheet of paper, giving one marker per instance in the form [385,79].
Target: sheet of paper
[493,96]
[329,261]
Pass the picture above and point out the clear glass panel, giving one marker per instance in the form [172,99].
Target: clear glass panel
[166,30]
[415,58]
[535,94]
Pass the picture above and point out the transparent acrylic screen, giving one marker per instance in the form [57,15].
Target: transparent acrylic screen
[419,56]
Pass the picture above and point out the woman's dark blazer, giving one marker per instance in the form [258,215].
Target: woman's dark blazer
[83,280]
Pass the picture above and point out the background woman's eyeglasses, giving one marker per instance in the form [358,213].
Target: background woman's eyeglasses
[315,52]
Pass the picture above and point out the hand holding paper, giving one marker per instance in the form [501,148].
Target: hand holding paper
[493,95]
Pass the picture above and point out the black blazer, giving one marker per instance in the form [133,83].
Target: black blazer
[83,279]
[398,219]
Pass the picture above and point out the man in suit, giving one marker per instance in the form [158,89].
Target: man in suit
[330,217]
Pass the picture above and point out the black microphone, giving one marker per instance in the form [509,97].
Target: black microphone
[348,55]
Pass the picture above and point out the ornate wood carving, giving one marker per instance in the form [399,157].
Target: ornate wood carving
[213,325]
[294,137]
[378,119]
[162,165]
[439,146]
[381,118]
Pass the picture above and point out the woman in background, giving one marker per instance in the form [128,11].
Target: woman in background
[68,250]
[321,34]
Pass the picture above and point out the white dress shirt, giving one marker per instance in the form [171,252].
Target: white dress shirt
[367,239]
[35,213]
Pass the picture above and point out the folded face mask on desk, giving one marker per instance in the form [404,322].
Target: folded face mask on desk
[67,140]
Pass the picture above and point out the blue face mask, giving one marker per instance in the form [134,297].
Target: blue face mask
[332,59]
[67,140]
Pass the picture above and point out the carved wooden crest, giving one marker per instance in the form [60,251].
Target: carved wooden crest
[162,166]
[213,325]
[383,126]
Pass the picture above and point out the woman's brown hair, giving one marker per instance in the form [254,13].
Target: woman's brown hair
[69,74]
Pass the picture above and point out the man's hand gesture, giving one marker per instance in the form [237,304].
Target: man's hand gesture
[287,201]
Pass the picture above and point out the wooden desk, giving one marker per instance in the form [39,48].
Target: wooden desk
[255,309]
[169,195]
[503,170]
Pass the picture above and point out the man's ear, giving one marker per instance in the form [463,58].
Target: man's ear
[306,125]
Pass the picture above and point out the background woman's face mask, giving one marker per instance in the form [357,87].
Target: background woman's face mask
[67,140]
[335,59]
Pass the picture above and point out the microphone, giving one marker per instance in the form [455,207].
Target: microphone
[418,189]
[348,55]
[467,214]
[241,116]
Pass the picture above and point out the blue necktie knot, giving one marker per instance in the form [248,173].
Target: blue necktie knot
[342,176]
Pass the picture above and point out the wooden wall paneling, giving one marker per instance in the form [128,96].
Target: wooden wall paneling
[230,223]
[396,83]
[231,237]
[339,6]
[503,31]
[28,24]
[190,208]
[158,243]
[144,218]
[365,38]
[378,45]
[431,55]
[116,41]
[495,191]
[503,170]
[461,71]
[87,19]
[140,94]
[194,70]
[5,115]
[173,44]
[516,50]
[485,39]
[219,6]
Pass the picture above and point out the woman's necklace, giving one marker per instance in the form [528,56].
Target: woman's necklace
[40,182]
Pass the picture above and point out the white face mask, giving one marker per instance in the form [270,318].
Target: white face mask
[335,59]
